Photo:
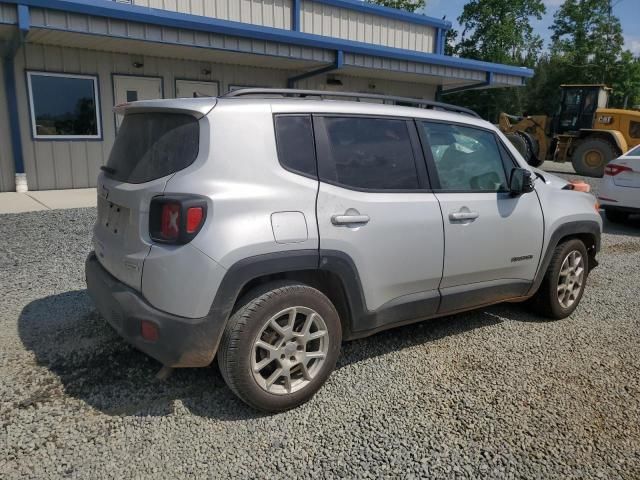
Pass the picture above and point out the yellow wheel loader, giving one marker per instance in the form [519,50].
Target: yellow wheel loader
[583,131]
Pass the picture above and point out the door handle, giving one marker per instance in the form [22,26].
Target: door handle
[463,215]
[350,219]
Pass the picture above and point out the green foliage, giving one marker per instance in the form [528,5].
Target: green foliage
[497,31]
[408,5]
[500,31]
[587,47]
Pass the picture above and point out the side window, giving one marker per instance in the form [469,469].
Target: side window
[466,159]
[367,153]
[294,139]
[634,129]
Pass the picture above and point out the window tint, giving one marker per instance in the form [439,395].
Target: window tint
[634,129]
[466,159]
[294,137]
[63,105]
[153,145]
[368,153]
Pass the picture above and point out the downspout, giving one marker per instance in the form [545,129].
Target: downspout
[24,22]
[338,63]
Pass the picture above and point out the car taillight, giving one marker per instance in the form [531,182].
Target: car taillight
[613,169]
[176,219]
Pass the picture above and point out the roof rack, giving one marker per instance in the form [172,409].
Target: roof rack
[292,92]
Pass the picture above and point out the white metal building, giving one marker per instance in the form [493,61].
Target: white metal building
[66,63]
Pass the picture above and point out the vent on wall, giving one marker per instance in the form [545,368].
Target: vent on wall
[124,1]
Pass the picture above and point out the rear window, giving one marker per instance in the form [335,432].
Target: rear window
[634,152]
[152,145]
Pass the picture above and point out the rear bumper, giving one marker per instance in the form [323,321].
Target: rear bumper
[182,342]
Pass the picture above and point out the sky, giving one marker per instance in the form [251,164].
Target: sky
[625,10]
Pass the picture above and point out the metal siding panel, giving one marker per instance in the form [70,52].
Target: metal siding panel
[62,164]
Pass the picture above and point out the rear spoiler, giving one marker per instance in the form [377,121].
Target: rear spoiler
[198,107]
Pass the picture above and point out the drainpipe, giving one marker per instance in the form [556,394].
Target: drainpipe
[339,62]
[12,102]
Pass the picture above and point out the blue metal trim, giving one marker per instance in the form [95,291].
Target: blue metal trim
[381,11]
[14,119]
[24,22]
[339,62]
[133,13]
[296,26]
[24,19]
[441,42]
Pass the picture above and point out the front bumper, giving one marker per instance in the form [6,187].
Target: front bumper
[182,342]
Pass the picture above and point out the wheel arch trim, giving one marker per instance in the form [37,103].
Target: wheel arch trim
[564,231]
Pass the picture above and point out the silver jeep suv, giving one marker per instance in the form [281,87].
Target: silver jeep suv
[267,226]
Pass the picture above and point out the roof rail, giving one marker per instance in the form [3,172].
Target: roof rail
[292,92]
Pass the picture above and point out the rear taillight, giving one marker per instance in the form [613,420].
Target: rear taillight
[613,169]
[176,218]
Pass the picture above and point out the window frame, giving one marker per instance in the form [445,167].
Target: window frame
[313,137]
[631,127]
[322,149]
[431,164]
[32,117]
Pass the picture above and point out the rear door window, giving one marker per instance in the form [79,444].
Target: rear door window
[296,149]
[153,145]
[367,153]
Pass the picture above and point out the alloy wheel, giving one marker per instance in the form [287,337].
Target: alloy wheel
[570,279]
[290,350]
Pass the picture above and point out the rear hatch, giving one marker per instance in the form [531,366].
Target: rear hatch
[153,142]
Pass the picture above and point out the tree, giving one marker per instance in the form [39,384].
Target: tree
[588,39]
[500,31]
[497,31]
[408,5]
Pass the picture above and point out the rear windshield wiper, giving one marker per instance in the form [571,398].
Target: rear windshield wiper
[108,169]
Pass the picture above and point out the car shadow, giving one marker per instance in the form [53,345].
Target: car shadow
[96,366]
[629,228]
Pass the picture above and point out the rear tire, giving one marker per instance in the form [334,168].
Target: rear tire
[591,155]
[616,216]
[279,347]
[563,285]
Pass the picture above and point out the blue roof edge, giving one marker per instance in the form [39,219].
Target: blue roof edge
[126,12]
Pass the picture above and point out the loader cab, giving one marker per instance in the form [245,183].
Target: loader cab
[578,105]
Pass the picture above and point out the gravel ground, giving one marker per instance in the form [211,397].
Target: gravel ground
[495,393]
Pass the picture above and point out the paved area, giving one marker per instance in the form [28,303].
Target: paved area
[496,393]
[12,202]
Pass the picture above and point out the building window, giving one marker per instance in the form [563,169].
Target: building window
[634,129]
[63,106]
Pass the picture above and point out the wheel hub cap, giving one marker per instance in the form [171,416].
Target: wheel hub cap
[593,158]
[570,279]
[290,350]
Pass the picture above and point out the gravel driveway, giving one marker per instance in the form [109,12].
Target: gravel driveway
[494,393]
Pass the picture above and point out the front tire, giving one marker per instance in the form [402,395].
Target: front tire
[279,347]
[563,285]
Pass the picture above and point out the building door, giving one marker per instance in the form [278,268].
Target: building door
[192,89]
[131,89]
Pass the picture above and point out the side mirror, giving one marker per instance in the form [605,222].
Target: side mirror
[521,181]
